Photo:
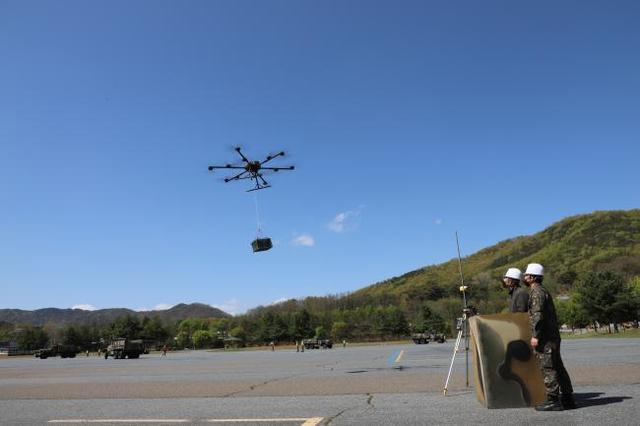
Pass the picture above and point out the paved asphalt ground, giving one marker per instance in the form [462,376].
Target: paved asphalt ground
[378,384]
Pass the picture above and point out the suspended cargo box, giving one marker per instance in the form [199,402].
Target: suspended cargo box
[261,244]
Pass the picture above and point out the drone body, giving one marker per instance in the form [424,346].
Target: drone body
[253,170]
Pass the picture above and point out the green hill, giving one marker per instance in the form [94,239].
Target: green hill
[604,240]
[429,298]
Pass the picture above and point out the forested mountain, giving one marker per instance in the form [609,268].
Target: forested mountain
[570,248]
[102,316]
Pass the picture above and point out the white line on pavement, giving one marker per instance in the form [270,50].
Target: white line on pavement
[307,421]
[120,421]
[312,421]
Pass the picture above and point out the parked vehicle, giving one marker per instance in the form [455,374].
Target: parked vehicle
[424,338]
[317,343]
[63,351]
[421,338]
[121,348]
[438,337]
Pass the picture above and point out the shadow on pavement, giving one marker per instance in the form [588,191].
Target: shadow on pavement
[590,399]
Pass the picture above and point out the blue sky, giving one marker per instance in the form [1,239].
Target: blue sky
[406,121]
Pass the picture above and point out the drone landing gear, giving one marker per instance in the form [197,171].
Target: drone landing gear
[261,244]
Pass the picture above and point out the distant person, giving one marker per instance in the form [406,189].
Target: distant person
[87,353]
[297,346]
[545,341]
[518,297]
[273,346]
[164,350]
[344,343]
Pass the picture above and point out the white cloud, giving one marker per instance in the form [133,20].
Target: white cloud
[303,240]
[231,306]
[276,302]
[345,221]
[84,307]
[162,307]
[158,307]
[438,221]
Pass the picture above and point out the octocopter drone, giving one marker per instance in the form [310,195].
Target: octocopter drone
[253,170]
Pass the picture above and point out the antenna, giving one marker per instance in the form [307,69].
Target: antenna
[463,288]
[462,325]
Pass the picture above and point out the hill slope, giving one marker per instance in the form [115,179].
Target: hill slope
[567,249]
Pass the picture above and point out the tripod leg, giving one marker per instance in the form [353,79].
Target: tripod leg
[466,349]
[453,358]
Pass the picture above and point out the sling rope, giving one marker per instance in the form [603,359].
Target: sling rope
[255,198]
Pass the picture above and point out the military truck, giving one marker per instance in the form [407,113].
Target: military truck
[63,351]
[317,343]
[438,337]
[421,338]
[424,338]
[121,348]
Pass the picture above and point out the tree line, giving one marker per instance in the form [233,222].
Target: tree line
[597,299]
[86,336]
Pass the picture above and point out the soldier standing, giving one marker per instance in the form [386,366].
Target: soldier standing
[545,341]
[518,297]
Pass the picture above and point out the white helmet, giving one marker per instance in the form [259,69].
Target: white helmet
[514,273]
[535,269]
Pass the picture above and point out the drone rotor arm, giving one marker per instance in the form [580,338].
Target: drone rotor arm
[271,157]
[236,177]
[278,168]
[264,182]
[225,167]
[245,159]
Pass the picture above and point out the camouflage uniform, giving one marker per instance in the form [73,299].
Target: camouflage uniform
[544,327]
[519,299]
